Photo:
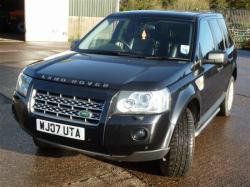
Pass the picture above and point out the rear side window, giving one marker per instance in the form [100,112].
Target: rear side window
[218,35]
[228,39]
[206,41]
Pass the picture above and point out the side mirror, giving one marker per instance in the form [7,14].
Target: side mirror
[73,45]
[216,57]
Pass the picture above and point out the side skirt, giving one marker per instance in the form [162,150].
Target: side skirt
[199,130]
[209,116]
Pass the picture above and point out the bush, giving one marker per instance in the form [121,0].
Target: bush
[165,4]
[190,5]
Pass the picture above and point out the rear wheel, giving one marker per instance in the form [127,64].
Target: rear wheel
[226,105]
[179,158]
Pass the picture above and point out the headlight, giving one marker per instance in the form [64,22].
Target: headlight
[130,102]
[23,83]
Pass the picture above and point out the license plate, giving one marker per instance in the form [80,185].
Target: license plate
[60,129]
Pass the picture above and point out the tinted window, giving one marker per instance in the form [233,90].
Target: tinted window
[206,41]
[227,36]
[142,36]
[217,33]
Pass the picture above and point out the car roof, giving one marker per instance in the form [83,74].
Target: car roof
[170,14]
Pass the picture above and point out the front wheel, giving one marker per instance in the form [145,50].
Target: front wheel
[226,105]
[179,158]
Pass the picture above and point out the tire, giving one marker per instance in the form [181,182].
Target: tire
[179,159]
[41,145]
[226,105]
[20,27]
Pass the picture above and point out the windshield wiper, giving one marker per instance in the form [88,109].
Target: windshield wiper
[164,58]
[100,52]
[156,58]
[132,55]
[114,53]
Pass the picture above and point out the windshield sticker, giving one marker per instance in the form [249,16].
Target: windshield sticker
[185,49]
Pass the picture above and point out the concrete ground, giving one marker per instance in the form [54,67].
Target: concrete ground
[222,154]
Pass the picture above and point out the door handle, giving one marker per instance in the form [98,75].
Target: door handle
[219,68]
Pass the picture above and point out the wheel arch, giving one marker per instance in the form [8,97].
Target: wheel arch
[188,97]
[194,106]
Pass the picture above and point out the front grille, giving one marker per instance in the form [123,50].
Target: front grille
[66,107]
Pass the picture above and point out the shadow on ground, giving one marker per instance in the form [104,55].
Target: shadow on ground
[12,36]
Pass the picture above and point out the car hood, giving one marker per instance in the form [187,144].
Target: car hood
[108,71]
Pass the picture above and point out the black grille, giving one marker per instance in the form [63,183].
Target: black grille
[66,107]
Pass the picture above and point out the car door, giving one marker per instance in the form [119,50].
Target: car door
[230,50]
[224,73]
[210,72]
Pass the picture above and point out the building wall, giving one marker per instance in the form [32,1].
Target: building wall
[63,20]
[93,8]
[79,26]
[46,20]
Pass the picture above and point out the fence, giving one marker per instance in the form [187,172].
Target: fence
[239,25]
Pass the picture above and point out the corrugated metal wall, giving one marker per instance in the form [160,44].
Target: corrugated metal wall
[85,14]
[92,8]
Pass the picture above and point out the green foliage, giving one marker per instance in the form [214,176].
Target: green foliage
[218,4]
[166,3]
[239,4]
[241,41]
[140,4]
[190,5]
[184,4]
[237,20]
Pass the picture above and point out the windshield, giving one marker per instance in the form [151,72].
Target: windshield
[141,37]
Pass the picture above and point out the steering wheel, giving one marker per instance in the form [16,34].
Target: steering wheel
[122,44]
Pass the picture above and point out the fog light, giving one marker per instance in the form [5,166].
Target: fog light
[139,134]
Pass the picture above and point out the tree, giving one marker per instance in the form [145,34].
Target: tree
[184,4]
[190,5]
[218,4]
[140,4]
[166,3]
[239,4]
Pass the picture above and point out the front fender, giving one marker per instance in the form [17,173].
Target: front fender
[182,99]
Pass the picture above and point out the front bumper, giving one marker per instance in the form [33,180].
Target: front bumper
[137,156]
[111,139]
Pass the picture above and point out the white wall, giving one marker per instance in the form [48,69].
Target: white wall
[46,20]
